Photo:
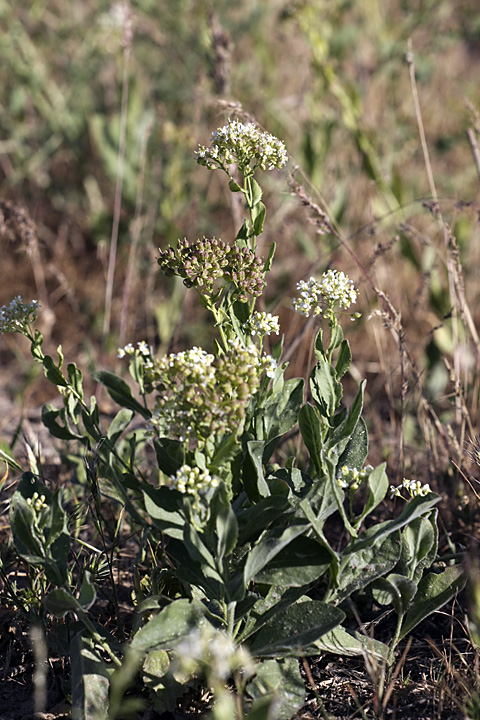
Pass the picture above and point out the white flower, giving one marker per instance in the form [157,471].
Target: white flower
[245,144]
[413,487]
[334,288]
[262,323]
[17,316]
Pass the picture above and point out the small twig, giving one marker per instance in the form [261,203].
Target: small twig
[472,139]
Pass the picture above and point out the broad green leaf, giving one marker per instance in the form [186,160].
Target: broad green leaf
[255,518]
[254,190]
[297,627]
[155,667]
[341,642]
[434,591]
[344,359]
[336,337]
[88,594]
[280,413]
[282,681]
[119,423]
[358,569]
[50,417]
[300,563]
[89,681]
[268,546]
[356,449]
[53,373]
[163,505]
[414,508]
[258,218]
[170,455]
[342,434]
[75,378]
[377,485]
[396,590]
[59,602]
[253,476]
[325,388]
[419,546]
[199,552]
[311,430]
[226,527]
[174,622]
[120,391]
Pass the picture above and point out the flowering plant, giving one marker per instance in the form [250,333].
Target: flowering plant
[246,555]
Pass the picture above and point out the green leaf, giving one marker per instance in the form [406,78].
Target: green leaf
[326,390]
[434,591]
[255,191]
[311,430]
[120,391]
[396,590]
[119,423]
[255,518]
[342,434]
[170,455]
[258,218]
[59,602]
[270,543]
[9,459]
[419,546]
[358,569]
[377,489]
[226,524]
[234,187]
[163,505]
[344,359]
[341,642]
[356,449]
[50,416]
[300,563]
[297,627]
[253,476]
[280,413]
[174,622]
[53,373]
[89,680]
[279,681]
[88,593]
[414,508]
[75,378]
[269,260]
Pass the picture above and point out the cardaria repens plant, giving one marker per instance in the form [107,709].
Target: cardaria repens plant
[247,554]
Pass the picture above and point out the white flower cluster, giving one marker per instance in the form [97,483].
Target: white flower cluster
[212,653]
[18,315]
[352,478]
[245,145]
[262,323]
[335,288]
[142,349]
[413,487]
[190,480]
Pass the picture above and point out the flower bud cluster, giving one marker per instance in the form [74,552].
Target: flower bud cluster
[207,260]
[200,396]
[17,316]
[191,480]
[37,502]
[321,296]
[246,145]
[352,478]
[413,487]
[262,323]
